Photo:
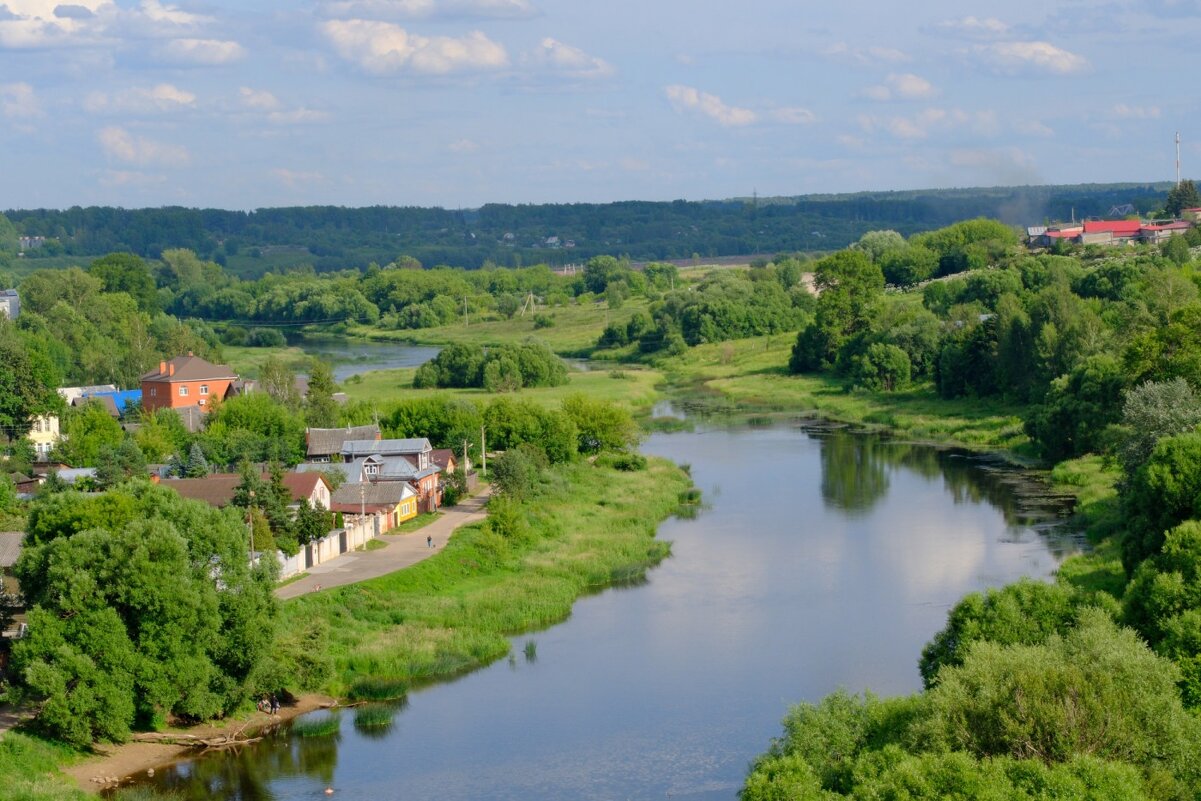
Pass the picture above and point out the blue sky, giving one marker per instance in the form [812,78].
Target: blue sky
[465,102]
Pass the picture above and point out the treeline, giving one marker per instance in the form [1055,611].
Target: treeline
[504,368]
[334,238]
[1088,687]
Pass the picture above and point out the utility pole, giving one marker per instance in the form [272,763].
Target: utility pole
[464,311]
[483,451]
[1178,158]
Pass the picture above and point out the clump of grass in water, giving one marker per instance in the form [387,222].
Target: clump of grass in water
[531,651]
[316,727]
[377,689]
[375,720]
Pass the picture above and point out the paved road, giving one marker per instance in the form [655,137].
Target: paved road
[403,550]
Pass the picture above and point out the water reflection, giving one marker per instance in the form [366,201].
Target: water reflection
[822,558]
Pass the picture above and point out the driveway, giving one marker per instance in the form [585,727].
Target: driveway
[403,550]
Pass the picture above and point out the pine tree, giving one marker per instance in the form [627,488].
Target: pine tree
[1182,196]
[196,465]
[321,410]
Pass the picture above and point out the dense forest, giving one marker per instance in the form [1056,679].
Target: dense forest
[328,238]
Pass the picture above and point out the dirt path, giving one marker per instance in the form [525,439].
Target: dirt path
[114,764]
[403,550]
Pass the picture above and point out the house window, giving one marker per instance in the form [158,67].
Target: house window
[183,391]
[200,402]
[371,469]
[204,389]
[37,424]
[154,392]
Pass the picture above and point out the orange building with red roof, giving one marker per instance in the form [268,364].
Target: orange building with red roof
[186,381]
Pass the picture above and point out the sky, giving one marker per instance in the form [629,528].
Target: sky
[457,103]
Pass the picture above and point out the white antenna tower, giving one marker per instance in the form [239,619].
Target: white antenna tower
[1178,158]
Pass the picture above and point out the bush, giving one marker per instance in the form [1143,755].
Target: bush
[543,321]
[265,338]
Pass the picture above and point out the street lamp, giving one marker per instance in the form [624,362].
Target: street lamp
[250,525]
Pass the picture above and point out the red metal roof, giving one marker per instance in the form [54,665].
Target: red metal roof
[1119,227]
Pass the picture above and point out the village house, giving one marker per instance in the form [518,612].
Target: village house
[44,434]
[393,501]
[323,445]
[186,381]
[218,489]
[10,304]
[1108,232]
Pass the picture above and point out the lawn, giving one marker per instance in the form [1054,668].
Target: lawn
[409,526]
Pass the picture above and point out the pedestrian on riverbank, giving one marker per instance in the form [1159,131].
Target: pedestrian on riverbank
[274,704]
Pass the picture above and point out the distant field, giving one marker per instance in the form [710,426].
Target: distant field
[633,387]
[575,329]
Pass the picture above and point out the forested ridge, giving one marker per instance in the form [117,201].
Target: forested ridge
[333,238]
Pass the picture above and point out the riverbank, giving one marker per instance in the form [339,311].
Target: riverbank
[585,528]
[113,765]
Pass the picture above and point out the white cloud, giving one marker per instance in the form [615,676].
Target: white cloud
[206,52]
[1031,56]
[930,121]
[686,98]
[297,116]
[163,97]
[294,178]
[1007,166]
[975,27]
[18,101]
[463,146]
[793,115]
[1032,128]
[553,54]
[430,9]
[871,55]
[901,86]
[258,99]
[1125,112]
[120,144]
[381,47]
[91,23]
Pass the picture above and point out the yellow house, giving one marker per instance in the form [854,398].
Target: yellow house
[44,434]
[394,501]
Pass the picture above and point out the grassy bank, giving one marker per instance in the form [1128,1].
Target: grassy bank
[751,375]
[588,527]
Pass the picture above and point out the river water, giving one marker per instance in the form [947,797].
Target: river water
[823,559]
[352,358]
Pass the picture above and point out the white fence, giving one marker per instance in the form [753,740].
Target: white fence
[357,533]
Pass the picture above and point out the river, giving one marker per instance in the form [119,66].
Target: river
[822,559]
[351,358]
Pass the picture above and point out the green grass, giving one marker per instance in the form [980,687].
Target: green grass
[377,689]
[419,522]
[322,726]
[373,545]
[1093,480]
[455,610]
[29,769]
[750,375]
[248,362]
[291,579]
[635,388]
[575,331]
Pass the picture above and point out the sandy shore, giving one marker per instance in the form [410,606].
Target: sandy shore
[114,764]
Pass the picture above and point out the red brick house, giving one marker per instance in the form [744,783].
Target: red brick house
[186,381]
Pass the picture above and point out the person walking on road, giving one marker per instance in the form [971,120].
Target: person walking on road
[429,541]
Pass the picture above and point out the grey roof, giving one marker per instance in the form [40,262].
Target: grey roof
[385,447]
[10,547]
[328,441]
[391,468]
[373,492]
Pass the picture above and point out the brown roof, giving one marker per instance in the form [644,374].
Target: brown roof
[190,368]
[218,489]
[442,457]
[328,441]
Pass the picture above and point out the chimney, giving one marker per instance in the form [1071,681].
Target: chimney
[162,368]
[171,368]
